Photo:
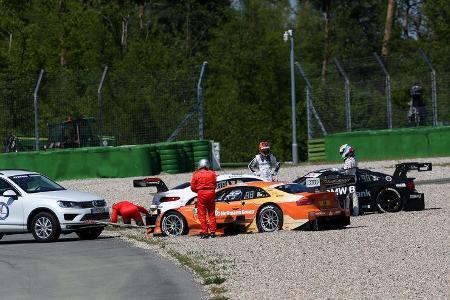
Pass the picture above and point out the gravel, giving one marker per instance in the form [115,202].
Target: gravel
[402,255]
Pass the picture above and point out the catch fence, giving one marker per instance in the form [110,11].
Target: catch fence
[71,109]
[373,93]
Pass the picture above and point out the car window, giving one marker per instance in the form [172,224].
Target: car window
[35,183]
[253,193]
[292,188]
[4,185]
[182,186]
[233,194]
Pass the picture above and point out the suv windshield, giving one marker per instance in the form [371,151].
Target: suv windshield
[293,188]
[35,183]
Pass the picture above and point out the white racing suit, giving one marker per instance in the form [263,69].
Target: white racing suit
[349,168]
[264,166]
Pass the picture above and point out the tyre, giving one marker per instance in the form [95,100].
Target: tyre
[389,201]
[1,235]
[270,219]
[45,227]
[174,224]
[89,233]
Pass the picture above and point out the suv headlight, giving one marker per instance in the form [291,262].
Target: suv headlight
[67,204]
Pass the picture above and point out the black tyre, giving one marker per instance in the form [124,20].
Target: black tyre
[270,219]
[389,201]
[174,224]
[1,235]
[89,233]
[45,227]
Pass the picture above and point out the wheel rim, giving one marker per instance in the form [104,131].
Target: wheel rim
[172,225]
[269,220]
[43,227]
[390,203]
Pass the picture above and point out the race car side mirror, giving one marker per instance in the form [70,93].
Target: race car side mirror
[10,194]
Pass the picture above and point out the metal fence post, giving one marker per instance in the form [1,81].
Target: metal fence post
[201,119]
[36,110]
[433,85]
[310,104]
[348,112]
[387,90]
[308,113]
[100,104]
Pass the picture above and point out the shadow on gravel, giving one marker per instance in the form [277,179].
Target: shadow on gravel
[61,240]
[432,208]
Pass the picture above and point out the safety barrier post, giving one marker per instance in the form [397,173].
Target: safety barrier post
[347,94]
[387,89]
[433,85]
[309,102]
[36,110]
[100,104]
[201,117]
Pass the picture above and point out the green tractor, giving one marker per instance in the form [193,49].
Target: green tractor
[72,133]
[76,133]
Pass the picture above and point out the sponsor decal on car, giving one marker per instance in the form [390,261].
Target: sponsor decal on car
[416,196]
[233,212]
[349,190]
[313,175]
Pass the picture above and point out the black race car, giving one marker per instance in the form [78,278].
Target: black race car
[376,191]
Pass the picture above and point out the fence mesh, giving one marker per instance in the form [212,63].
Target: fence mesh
[369,88]
[71,112]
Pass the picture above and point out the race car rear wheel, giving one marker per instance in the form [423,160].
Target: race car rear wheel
[174,224]
[270,219]
[389,200]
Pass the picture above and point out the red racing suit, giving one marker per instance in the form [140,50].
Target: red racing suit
[204,184]
[128,211]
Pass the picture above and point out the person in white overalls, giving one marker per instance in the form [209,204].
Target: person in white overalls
[264,164]
[349,168]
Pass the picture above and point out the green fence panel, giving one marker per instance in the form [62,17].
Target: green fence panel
[388,144]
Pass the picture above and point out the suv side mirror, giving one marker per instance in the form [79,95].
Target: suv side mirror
[10,194]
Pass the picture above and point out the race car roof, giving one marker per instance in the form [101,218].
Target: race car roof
[15,172]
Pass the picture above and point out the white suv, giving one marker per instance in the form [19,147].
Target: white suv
[30,202]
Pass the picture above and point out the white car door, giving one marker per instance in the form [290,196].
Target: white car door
[11,210]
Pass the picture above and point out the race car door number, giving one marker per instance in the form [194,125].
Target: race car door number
[97,210]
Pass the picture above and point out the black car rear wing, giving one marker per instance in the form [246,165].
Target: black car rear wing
[151,181]
[401,170]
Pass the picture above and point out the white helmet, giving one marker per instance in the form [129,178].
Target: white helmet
[203,163]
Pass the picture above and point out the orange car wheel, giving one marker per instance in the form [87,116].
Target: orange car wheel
[270,218]
[174,224]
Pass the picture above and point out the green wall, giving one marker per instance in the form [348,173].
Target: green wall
[110,162]
[386,144]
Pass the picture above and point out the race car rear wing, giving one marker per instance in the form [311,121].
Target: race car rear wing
[151,181]
[401,170]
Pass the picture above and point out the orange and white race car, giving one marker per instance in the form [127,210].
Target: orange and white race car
[260,206]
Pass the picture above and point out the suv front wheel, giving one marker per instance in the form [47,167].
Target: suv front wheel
[45,227]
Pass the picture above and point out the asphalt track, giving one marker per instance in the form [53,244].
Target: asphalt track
[107,268]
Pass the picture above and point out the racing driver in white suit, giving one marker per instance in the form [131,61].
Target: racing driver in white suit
[264,164]
[349,168]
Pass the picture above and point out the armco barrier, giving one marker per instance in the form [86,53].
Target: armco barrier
[387,144]
[109,162]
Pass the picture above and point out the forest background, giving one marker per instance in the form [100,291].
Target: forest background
[154,50]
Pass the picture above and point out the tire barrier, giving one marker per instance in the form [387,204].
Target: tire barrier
[111,162]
